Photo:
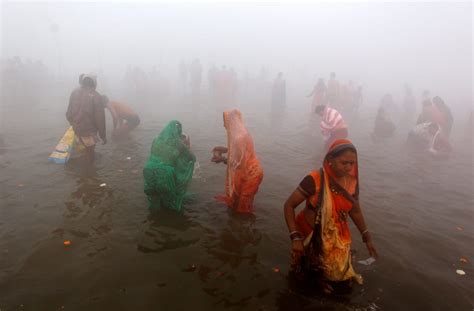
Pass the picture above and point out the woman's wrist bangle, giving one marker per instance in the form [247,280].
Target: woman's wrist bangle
[297,239]
[364,232]
[295,234]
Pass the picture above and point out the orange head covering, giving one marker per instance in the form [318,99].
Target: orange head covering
[244,173]
[336,149]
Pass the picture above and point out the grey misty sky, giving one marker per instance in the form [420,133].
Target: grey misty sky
[426,44]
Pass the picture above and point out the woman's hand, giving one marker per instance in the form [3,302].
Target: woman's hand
[218,159]
[217,154]
[297,249]
[371,249]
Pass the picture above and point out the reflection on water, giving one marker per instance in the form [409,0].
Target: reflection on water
[167,230]
[123,257]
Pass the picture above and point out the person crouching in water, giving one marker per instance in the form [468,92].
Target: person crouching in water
[124,118]
[333,126]
[429,137]
[86,115]
[169,169]
[244,172]
[320,236]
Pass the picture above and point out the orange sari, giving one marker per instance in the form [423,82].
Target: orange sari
[244,173]
[328,244]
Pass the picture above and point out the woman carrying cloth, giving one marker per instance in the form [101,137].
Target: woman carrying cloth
[244,173]
[169,169]
[320,234]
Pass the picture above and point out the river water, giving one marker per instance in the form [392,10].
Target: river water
[419,210]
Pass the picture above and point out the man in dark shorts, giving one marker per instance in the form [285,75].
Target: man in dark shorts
[120,113]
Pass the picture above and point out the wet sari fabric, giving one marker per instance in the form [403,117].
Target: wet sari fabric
[168,170]
[327,246]
[244,173]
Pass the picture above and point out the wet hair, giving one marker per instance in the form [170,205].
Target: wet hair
[319,108]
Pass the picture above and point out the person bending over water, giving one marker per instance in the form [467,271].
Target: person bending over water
[244,173]
[169,169]
[332,125]
[429,137]
[320,236]
[124,118]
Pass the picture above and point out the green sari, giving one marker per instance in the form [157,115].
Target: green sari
[168,170]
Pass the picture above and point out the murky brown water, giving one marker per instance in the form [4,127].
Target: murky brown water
[419,210]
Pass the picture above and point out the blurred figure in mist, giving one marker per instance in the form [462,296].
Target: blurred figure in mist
[390,107]
[409,104]
[212,81]
[86,115]
[225,86]
[384,126]
[124,118]
[319,94]
[195,71]
[279,93]
[433,127]
[333,91]
[438,112]
[346,95]
[333,126]
[358,99]
[183,77]
[446,123]
[429,137]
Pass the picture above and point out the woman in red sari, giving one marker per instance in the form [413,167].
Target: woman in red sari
[320,233]
[244,173]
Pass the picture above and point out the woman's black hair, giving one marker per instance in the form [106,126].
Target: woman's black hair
[339,150]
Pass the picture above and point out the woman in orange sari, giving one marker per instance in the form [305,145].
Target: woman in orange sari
[320,233]
[244,173]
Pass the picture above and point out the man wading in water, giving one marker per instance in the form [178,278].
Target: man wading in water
[86,116]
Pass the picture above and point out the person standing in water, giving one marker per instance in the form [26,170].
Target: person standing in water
[332,124]
[124,118]
[320,235]
[318,93]
[333,91]
[244,172]
[86,115]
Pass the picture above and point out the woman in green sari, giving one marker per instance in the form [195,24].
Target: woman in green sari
[169,169]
